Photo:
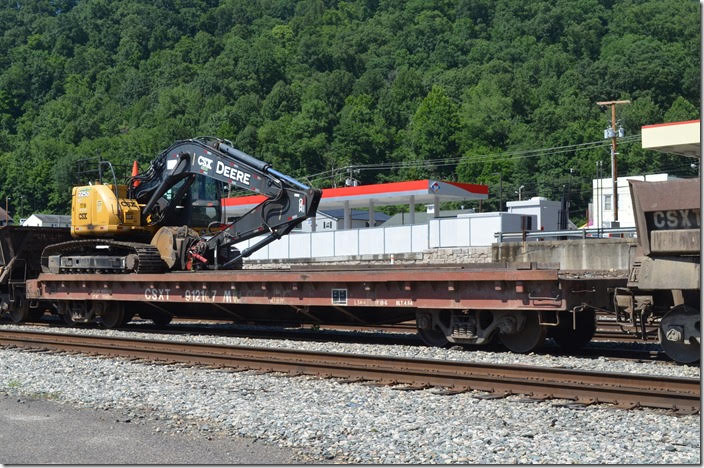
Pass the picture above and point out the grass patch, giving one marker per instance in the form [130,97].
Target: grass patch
[14,384]
[45,395]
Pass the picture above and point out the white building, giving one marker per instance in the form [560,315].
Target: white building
[333,220]
[404,219]
[48,220]
[543,214]
[601,211]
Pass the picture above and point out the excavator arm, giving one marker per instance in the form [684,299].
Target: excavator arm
[288,202]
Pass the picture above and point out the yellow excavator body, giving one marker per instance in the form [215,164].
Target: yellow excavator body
[101,210]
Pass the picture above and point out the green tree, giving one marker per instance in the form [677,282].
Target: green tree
[360,137]
[314,85]
[433,131]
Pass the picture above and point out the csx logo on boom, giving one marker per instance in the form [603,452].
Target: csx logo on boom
[205,163]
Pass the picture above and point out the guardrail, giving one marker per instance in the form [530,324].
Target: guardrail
[571,233]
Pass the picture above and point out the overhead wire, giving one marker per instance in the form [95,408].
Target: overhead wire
[532,185]
[442,162]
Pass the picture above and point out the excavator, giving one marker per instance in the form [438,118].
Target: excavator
[154,223]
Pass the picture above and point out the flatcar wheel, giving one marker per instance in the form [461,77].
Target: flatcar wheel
[676,327]
[434,338]
[35,315]
[570,339]
[161,319]
[126,318]
[19,311]
[527,339]
[64,312]
[112,315]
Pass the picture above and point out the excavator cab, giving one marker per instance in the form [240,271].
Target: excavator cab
[200,208]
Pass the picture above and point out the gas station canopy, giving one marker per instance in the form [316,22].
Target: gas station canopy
[673,137]
[424,191]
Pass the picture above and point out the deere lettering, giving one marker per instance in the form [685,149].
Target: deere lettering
[232,173]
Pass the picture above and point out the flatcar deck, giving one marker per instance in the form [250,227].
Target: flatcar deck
[496,287]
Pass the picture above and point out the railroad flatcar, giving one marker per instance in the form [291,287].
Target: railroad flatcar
[519,303]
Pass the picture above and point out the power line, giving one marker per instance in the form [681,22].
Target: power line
[442,162]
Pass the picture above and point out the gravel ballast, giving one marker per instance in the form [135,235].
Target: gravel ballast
[326,420]
[600,364]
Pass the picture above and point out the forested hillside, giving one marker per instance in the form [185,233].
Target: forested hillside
[458,89]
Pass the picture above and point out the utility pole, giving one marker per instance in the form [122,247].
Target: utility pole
[501,190]
[613,134]
[595,201]
[7,214]
[598,221]
[565,208]
[569,194]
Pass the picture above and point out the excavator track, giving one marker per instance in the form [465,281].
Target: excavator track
[101,256]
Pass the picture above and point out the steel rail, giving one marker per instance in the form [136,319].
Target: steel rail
[624,390]
[355,334]
[191,325]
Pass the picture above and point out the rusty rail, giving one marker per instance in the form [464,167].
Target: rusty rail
[629,390]
[351,334]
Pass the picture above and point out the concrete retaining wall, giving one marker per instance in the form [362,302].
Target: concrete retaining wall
[428,257]
[577,254]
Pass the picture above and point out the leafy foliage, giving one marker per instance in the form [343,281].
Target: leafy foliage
[457,89]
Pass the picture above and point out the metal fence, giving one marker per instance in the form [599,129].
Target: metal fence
[597,233]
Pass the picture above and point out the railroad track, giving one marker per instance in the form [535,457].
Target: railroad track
[606,330]
[583,387]
[393,335]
